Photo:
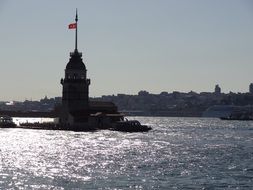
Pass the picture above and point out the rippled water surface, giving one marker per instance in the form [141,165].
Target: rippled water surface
[179,153]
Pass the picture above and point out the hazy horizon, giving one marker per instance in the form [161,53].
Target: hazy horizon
[127,46]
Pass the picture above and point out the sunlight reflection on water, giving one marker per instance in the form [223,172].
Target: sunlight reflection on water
[178,153]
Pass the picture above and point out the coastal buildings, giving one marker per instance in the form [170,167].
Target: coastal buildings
[149,104]
[217,89]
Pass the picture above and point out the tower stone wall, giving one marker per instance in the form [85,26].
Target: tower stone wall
[75,88]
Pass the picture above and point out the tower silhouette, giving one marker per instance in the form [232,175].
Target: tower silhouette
[77,111]
[75,91]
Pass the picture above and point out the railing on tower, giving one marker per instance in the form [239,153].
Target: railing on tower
[73,53]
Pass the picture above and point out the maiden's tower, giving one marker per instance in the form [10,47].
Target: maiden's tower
[77,111]
[75,88]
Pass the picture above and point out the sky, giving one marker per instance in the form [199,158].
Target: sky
[127,46]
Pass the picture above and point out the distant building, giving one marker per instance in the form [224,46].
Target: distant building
[251,88]
[143,93]
[217,89]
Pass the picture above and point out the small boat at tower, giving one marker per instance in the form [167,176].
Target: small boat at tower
[6,122]
[130,126]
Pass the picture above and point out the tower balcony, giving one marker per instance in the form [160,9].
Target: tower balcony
[72,80]
[75,53]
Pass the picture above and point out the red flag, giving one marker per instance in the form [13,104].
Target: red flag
[72,26]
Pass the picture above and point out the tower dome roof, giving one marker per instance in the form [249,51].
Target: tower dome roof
[75,61]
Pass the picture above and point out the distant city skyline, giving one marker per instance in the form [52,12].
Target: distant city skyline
[127,46]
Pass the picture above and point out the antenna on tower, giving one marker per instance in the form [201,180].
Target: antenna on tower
[76,30]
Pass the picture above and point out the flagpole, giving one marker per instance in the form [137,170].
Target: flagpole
[76,31]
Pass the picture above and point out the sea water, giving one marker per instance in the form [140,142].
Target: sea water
[179,153]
